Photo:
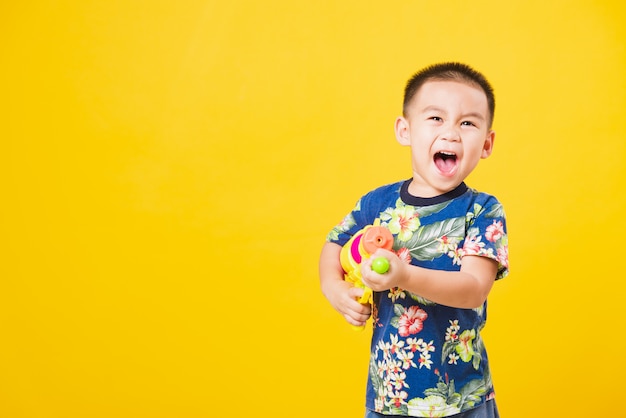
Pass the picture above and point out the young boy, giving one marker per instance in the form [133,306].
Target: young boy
[450,245]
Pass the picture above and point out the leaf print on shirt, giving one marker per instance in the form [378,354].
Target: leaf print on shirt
[496,211]
[466,398]
[426,243]
[421,300]
[470,216]
[347,223]
[466,346]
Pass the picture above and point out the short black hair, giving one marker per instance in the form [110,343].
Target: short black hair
[449,71]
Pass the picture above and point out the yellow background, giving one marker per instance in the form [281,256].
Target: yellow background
[170,169]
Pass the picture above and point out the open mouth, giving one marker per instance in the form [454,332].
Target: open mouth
[445,161]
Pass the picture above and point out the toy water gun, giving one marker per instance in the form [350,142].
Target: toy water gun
[361,246]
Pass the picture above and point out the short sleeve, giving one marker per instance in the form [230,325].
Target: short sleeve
[344,230]
[367,209]
[487,234]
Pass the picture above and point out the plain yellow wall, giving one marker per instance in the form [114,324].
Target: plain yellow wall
[170,169]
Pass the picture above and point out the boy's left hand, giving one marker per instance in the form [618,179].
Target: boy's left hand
[392,278]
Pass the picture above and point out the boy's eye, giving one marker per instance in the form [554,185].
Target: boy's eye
[436,118]
[467,123]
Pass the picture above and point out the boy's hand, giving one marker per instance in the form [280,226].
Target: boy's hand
[343,297]
[392,278]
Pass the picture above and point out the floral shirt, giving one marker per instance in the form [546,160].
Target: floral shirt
[427,359]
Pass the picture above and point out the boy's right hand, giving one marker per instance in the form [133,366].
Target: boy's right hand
[343,297]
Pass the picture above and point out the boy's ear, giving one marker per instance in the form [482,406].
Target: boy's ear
[488,145]
[402,131]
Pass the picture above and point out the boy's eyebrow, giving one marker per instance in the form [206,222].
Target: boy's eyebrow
[433,108]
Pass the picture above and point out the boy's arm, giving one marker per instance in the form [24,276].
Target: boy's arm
[342,295]
[467,288]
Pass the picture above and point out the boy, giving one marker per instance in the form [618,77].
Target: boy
[450,245]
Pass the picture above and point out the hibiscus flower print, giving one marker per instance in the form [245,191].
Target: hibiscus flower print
[466,349]
[495,231]
[411,321]
[473,245]
[404,254]
[503,255]
[404,221]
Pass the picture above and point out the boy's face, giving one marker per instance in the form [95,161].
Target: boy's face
[447,127]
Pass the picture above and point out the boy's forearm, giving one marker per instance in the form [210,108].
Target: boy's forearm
[467,288]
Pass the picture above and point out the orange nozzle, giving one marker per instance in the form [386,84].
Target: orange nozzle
[376,237]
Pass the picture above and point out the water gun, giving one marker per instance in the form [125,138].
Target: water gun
[361,246]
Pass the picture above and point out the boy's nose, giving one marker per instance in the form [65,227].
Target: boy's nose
[451,134]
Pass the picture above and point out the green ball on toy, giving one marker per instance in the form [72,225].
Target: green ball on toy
[380,265]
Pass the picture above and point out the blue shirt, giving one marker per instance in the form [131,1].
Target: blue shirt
[429,359]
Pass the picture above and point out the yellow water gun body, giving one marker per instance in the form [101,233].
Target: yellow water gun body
[361,246]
